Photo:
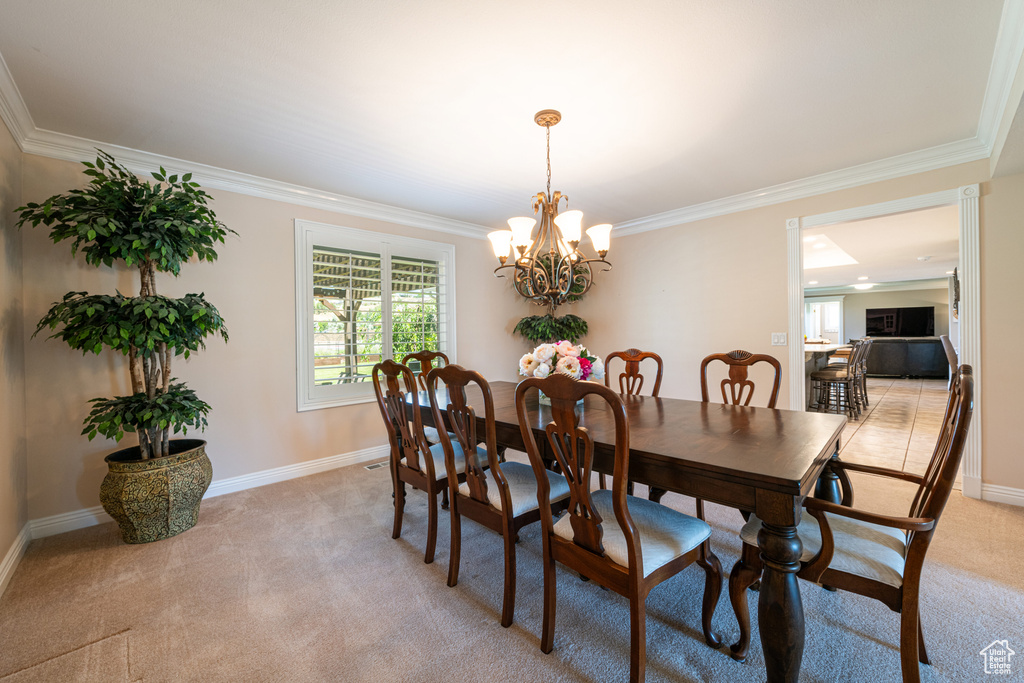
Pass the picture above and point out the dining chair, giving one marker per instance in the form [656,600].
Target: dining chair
[626,544]
[631,381]
[877,556]
[737,388]
[413,460]
[739,385]
[423,363]
[947,346]
[501,496]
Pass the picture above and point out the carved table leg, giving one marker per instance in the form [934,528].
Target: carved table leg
[780,612]
[827,486]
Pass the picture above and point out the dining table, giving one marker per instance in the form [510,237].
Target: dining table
[760,460]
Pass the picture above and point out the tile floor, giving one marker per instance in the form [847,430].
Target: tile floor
[900,427]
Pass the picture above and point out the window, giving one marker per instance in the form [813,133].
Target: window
[362,297]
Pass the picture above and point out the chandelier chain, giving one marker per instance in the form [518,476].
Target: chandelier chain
[548,129]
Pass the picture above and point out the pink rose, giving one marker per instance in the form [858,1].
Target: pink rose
[584,368]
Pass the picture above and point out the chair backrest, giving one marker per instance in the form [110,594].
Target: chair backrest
[630,380]
[864,353]
[738,381]
[426,360]
[392,382]
[573,450]
[463,424]
[937,483]
[947,346]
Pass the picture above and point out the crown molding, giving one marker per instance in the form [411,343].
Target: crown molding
[12,107]
[950,154]
[898,286]
[998,107]
[70,148]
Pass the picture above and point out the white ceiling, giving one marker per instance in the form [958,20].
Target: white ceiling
[918,245]
[429,106]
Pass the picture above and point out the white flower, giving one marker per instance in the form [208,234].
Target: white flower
[566,348]
[527,364]
[544,352]
[542,371]
[596,369]
[569,365]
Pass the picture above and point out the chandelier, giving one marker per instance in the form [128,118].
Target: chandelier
[549,269]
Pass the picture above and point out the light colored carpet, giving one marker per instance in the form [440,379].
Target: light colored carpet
[301,581]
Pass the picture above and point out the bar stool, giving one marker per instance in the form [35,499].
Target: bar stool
[836,386]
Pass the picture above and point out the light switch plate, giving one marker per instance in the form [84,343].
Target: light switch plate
[778,338]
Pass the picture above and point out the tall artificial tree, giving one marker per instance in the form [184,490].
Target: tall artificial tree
[154,227]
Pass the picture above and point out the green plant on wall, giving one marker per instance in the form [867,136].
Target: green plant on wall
[549,328]
[154,227]
[540,329]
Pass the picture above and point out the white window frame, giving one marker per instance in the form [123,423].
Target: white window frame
[308,233]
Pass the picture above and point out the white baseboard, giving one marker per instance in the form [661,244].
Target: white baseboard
[971,487]
[79,519]
[1002,494]
[13,557]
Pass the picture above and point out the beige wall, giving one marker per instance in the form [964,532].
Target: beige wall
[686,291]
[855,305]
[720,284]
[13,475]
[1002,324]
[250,381]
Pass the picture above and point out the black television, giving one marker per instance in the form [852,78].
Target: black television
[909,321]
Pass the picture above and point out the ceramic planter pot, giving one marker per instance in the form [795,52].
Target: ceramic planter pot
[158,498]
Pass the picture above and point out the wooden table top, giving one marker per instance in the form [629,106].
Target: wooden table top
[769,449]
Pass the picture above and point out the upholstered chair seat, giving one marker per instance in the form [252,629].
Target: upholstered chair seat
[861,548]
[522,487]
[437,454]
[665,534]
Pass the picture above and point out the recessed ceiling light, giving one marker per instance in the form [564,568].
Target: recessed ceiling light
[820,245]
[864,285]
[810,238]
[949,272]
[863,277]
[813,282]
[924,258]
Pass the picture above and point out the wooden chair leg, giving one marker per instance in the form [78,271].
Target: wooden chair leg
[712,590]
[399,503]
[637,638]
[455,557]
[922,653]
[428,557]
[909,629]
[700,507]
[655,494]
[444,498]
[547,638]
[508,603]
[602,483]
[744,573]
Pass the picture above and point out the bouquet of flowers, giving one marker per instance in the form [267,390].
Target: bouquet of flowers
[565,358]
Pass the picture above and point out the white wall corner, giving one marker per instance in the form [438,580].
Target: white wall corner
[79,519]
[795,294]
[13,557]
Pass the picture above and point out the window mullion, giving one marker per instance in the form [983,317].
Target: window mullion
[385,300]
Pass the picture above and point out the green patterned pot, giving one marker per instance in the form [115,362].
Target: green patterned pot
[159,498]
